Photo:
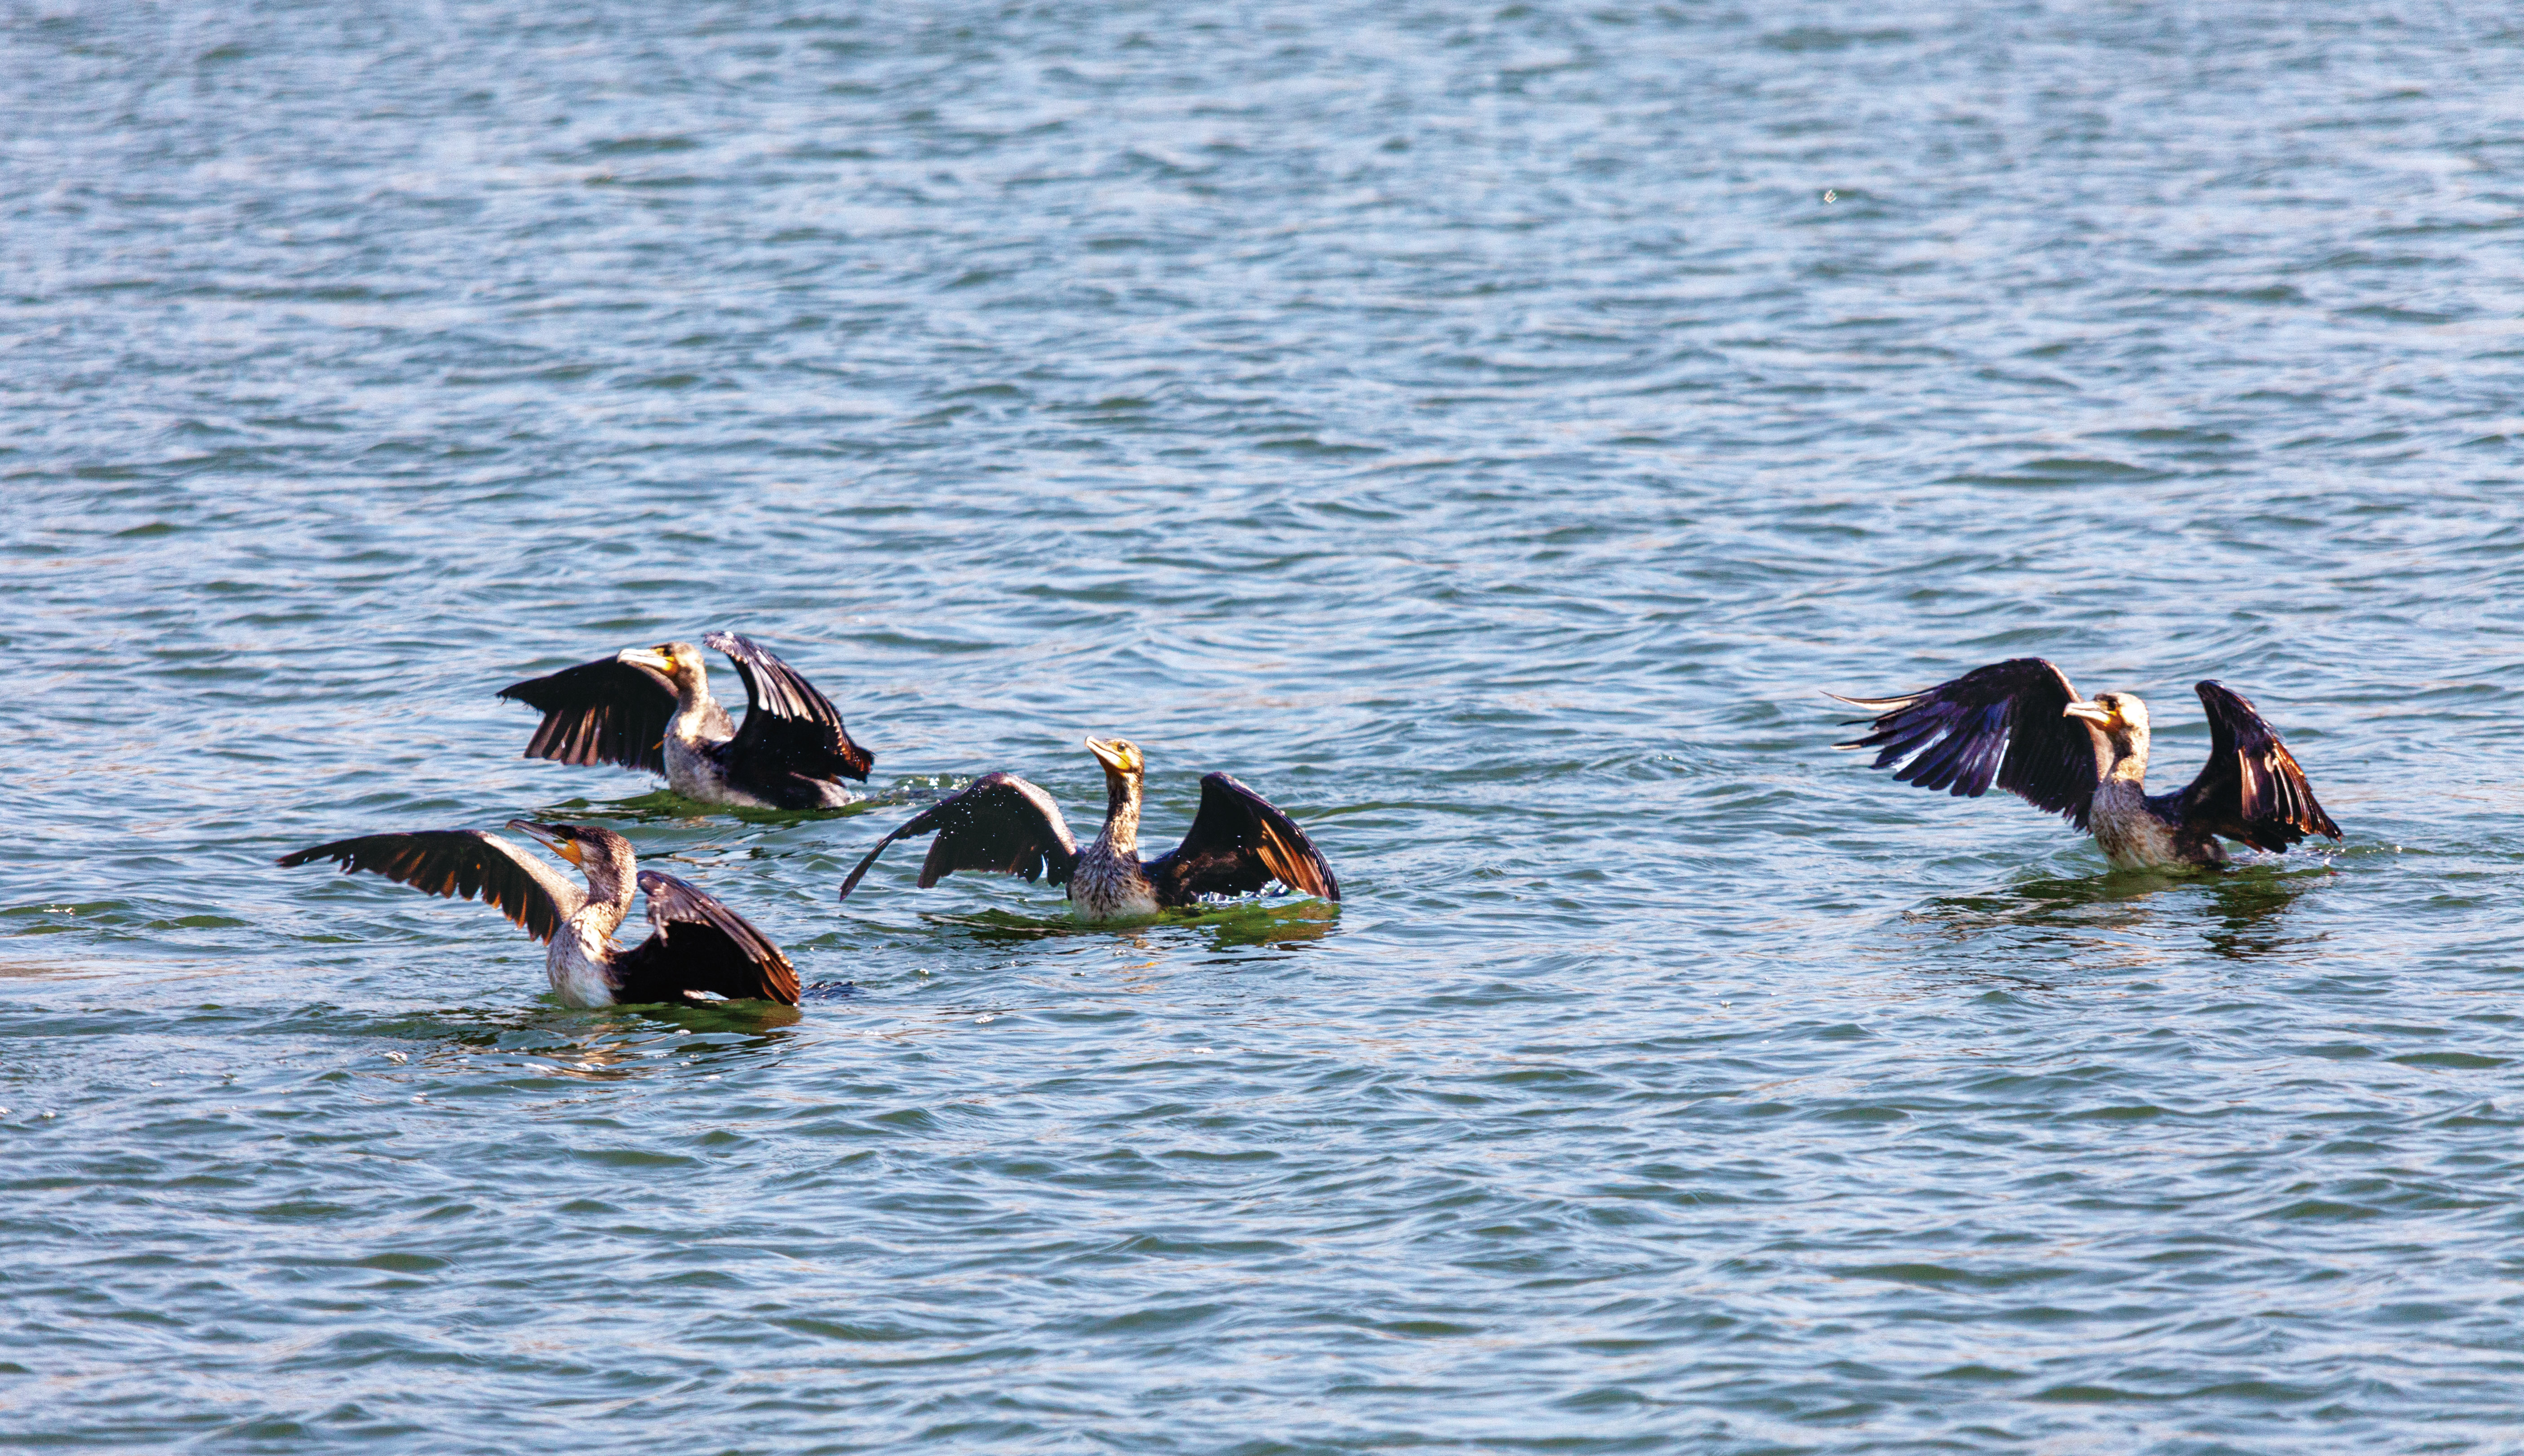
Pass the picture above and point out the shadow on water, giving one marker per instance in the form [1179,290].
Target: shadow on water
[764,1022]
[663,806]
[1229,925]
[2250,903]
[2245,907]
[570,1041]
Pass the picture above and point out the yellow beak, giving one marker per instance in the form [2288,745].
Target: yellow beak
[565,848]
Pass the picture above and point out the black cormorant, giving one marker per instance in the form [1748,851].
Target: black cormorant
[1238,843]
[650,708]
[2010,723]
[695,944]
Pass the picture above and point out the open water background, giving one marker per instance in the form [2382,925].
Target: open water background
[1484,429]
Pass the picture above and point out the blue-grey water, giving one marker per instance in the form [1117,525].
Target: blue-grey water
[1484,429]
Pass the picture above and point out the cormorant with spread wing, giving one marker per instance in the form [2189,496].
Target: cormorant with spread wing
[1238,843]
[695,944]
[2010,724]
[650,708]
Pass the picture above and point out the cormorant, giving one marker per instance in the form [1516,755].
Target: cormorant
[650,708]
[696,945]
[1238,843]
[2009,723]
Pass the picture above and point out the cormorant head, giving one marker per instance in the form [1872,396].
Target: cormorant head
[602,855]
[2121,716]
[679,662]
[1120,757]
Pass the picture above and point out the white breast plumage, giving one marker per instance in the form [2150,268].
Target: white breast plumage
[577,965]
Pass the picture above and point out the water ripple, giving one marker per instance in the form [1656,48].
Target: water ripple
[1487,433]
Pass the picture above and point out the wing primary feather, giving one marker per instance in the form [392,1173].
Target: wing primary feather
[791,730]
[2001,725]
[697,943]
[999,823]
[463,863]
[603,711]
[2251,788]
[1238,843]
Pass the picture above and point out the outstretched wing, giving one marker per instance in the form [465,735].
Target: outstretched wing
[1239,841]
[604,711]
[999,823]
[2251,787]
[790,729]
[699,943]
[2005,724]
[461,863]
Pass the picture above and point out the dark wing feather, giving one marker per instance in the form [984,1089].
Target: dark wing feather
[604,711]
[465,864]
[789,730]
[2251,787]
[999,823]
[699,943]
[1239,841]
[2002,724]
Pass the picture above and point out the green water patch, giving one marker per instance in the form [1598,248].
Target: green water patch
[663,806]
[1225,925]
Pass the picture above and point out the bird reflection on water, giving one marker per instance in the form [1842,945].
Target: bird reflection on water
[2244,907]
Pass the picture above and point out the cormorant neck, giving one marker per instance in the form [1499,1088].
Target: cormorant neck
[609,882]
[693,703]
[2129,755]
[1122,811]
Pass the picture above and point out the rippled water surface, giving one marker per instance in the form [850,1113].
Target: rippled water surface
[1485,430]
